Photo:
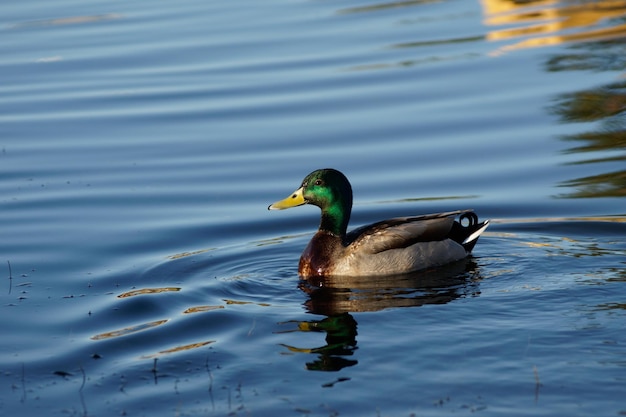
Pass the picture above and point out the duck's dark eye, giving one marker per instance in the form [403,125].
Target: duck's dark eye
[319,182]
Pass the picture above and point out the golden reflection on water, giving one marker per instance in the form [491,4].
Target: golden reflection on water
[237,302]
[551,22]
[129,330]
[182,348]
[143,291]
[201,309]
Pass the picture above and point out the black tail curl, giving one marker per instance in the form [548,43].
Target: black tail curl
[464,227]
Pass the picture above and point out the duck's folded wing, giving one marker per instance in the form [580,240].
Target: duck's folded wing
[402,232]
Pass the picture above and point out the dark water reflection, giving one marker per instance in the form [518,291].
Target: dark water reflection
[338,297]
[604,109]
[335,295]
[340,335]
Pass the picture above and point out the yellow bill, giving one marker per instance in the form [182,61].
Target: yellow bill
[295,199]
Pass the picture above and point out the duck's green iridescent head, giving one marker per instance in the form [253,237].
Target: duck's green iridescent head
[328,189]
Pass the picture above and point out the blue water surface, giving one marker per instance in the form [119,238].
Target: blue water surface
[142,143]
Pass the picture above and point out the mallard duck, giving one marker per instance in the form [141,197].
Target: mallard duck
[394,246]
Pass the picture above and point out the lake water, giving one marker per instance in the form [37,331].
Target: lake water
[141,144]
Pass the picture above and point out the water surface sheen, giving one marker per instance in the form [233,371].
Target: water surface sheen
[140,147]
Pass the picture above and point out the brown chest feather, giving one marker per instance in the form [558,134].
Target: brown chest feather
[319,255]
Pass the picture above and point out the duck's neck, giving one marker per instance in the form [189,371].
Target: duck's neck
[335,219]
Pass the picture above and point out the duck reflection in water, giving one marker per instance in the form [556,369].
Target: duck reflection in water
[341,334]
[338,297]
